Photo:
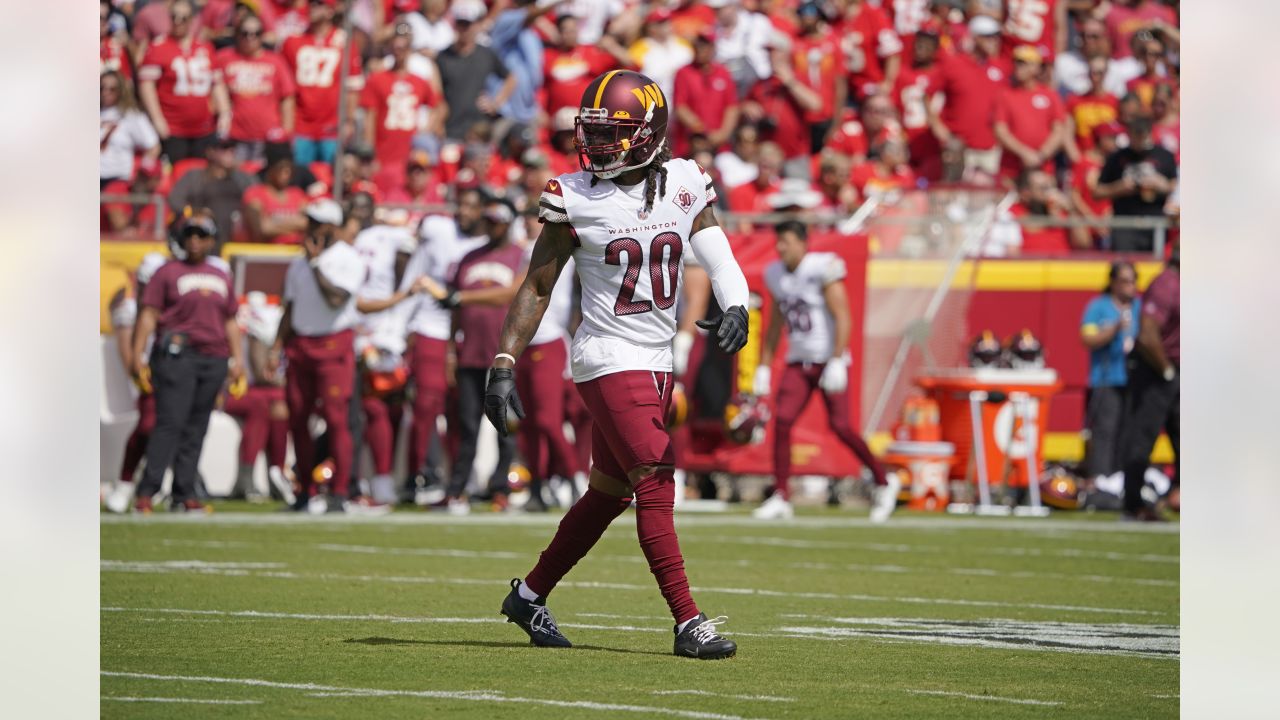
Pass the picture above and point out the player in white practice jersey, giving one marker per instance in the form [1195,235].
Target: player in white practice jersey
[626,220]
[809,300]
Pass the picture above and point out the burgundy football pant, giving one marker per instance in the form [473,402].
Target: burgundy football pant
[540,384]
[135,448]
[629,409]
[321,377]
[426,366]
[382,419]
[580,418]
[258,430]
[799,381]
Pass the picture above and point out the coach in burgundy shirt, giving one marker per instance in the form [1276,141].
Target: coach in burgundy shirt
[191,306]
[485,283]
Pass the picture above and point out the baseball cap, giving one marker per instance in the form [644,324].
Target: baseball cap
[984,25]
[199,224]
[151,262]
[930,27]
[1027,54]
[717,4]
[809,8]
[499,212]
[1108,129]
[707,34]
[533,157]
[406,6]
[149,167]
[795,192]
[419,159]
[468,11]
[659,14]
[325,212]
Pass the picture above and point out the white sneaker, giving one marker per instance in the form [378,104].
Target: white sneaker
[459,506]
[428,496]
[886,498]
[562,491]
[775,508]
[318,505]
[383,489]
[275,476]
[120,499]
[365,506]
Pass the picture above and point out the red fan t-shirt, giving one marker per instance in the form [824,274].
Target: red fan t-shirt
[972,89]
[271,203]
[314,63]
[1030,114]
[867,39]
[183,75]
[257,86]
[819,64]
[395,98]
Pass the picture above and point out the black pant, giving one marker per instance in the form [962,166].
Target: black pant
[1104,416]
[470,413]
[181,148]
[1152,406]
[186,387]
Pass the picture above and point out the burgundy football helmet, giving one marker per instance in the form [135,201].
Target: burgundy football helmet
[1023,351]
[621,125]
[745,418]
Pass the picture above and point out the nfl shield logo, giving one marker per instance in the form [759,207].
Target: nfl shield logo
[684,199]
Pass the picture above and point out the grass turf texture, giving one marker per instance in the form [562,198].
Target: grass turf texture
[926,617]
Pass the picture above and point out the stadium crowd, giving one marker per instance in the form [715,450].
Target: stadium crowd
[235,105]
[450,116]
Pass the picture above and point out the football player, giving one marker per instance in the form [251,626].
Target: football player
[626,219]
[807,290]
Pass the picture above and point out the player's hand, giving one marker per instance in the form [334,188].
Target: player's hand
[141,372]
[312,246]
[731,329]
[762,381]
[237,384]
[835,376]
[499,393]
[162,127]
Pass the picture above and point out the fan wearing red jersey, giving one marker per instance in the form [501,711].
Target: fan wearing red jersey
[175,84]
[1031,123]
[820,65]
[809,300]
[314,58]
[1042,24]
[273,209]
[260,88]
[913,93]
[627,219]
[393,99]
[872,50]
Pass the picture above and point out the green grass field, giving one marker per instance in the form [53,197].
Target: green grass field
[262,615]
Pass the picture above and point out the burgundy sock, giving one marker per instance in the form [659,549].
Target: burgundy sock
[134,450]
[579,530]
[655,524]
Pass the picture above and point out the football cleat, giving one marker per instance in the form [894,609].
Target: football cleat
[775,508]
[142,506]
[120,497]
[885,498]
[191,505]
[700,640]
[533,617]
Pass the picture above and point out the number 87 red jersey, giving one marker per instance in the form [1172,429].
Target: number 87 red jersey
[630,264]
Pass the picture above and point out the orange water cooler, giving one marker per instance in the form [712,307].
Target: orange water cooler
[995,418]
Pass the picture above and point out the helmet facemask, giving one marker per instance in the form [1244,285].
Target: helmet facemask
[606,144]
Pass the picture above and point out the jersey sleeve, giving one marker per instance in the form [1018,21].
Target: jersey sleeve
[833,269]
[708,184]
[551,207]
[124,313]
[152,65]
[1092,321]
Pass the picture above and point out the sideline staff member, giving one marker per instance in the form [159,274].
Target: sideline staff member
[317,337]
[191,307]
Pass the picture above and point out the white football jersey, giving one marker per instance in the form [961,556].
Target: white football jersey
[800,299]
[630,265]
[442,247]
[378,246]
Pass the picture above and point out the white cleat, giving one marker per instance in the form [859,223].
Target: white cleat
[775,508]
[275,476]
[886,498]
[120,499]
[459,507]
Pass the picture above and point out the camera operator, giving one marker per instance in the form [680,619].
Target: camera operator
[191,306]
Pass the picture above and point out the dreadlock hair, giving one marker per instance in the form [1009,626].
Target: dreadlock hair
[655,181]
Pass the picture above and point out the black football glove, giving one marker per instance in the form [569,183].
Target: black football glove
[498,394]
[732,332]
[450,301]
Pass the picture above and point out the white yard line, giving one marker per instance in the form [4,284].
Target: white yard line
[980,572]
[191,701]
[948,524]
[708,693]
[990,698]
[930,549]
[466,695]
[760,592]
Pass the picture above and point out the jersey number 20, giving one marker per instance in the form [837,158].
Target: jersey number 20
[664,293]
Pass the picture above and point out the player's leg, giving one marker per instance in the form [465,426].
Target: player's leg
[300,396]
[335,377]
[1145,414]
[136,446]
[379,436]
[606,498]
[427,370]
[794,390]
[885,494]
[252,410]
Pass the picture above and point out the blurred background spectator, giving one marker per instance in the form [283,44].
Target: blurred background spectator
[219,186]
[706,99]
[260,88]
[1137,179]
[124,132]
[175,83]
[1109,330]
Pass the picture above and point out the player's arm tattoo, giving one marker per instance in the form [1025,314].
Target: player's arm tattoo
[705,219]
[550,253]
